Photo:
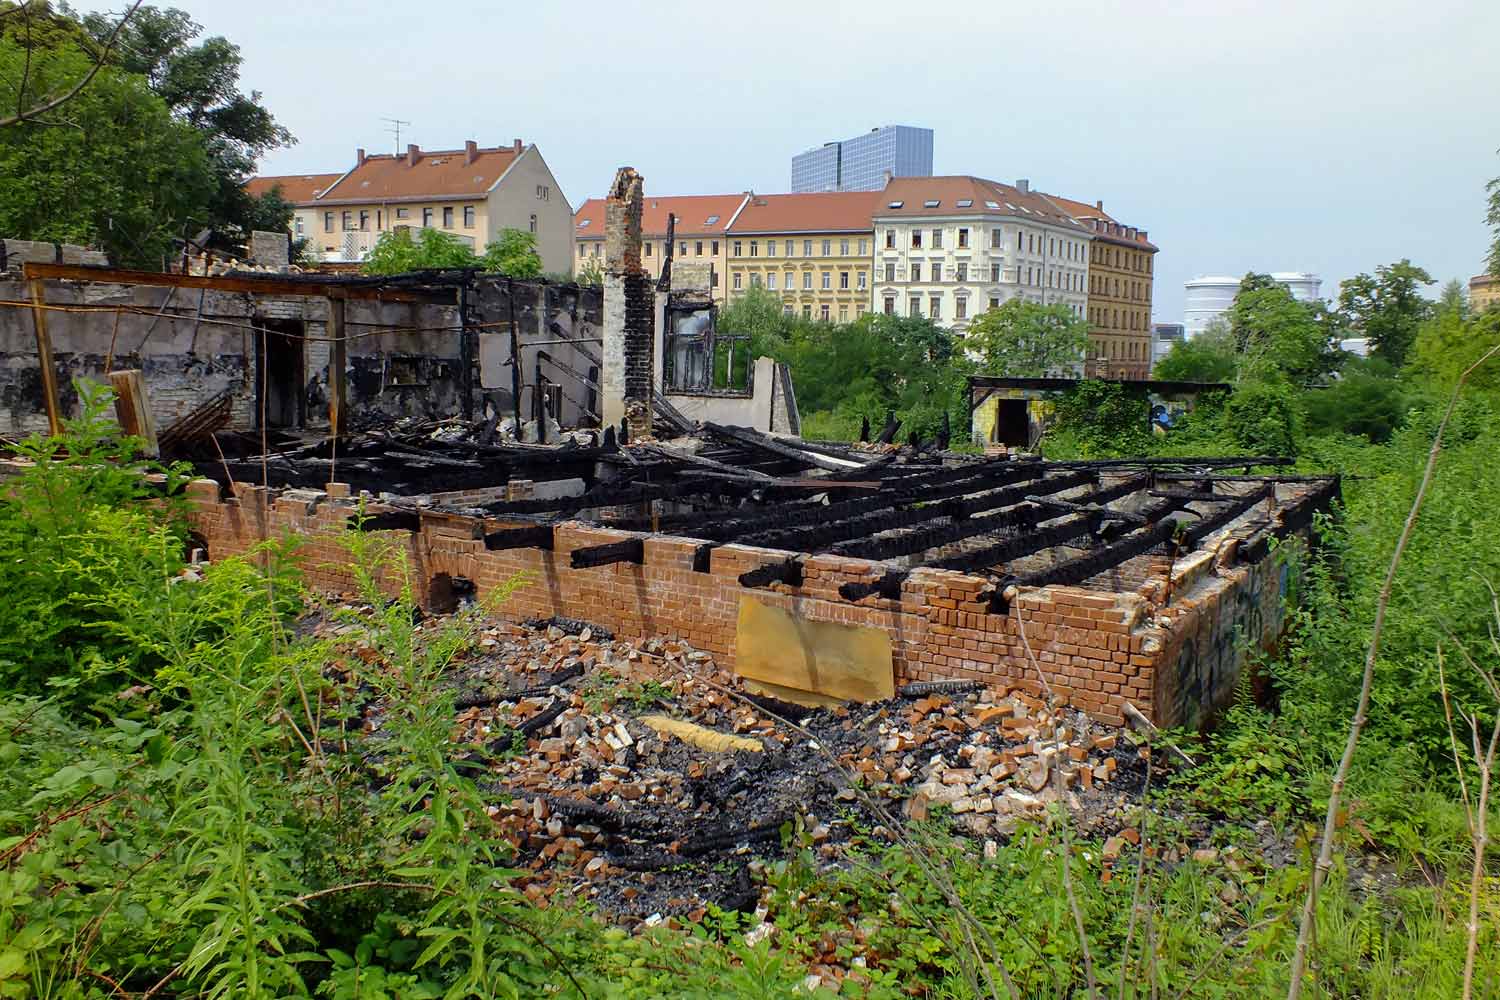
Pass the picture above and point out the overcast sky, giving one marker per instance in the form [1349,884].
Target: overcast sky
[1319,135]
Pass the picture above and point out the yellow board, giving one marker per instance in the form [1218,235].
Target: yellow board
[844,662]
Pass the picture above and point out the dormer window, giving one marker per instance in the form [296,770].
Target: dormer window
[931,203]
[897,204]
[711,220]
[964,203]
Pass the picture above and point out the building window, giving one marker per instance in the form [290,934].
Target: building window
[327,222]
[715,246]
[1028,276]
[916,239]
[755,248]
[698,249]
[379,219]
[754,281]
[770,248]
[823,313]
[771,281]
[843,280]
[963,239]
[863,250]
[995,273]
[843,314]
[807,312]
[937,239]
[1030,244]
[448,217]
[543,192]
[426,218]
[827,280]
[737,248]
[468,216]
[786,310]
[807,248]
[682,249]
[790,281]
[348,221]
[402,213]
[790,245]
[890,239]
[960,308]
[1018,239]
[890,306]
[935,306]
[890,272]
[937,271]
[915,306]
[994,302]
[861,280]
[582,251]
[843,248]
[962,272]
[645,249]
[807,280]
[916,270]
[737,279]
[995,238]
[828,248]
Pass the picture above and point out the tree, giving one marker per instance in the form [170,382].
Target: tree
[1387,308]
[1026,340]
[513,254]
[1492,218]
[1208,357]
[20,22]
[1280,337]
[200,83]
[1366,400]
[1262,417]
[1453,300]
[122,174]
[1104,419]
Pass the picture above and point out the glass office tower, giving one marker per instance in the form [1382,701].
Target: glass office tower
[861,163]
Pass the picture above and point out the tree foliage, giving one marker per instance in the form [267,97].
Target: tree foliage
[1365,399]
[1020,339]
[1208,357]
[1387,308]
[1279,337]
[1492,219]
[398,251]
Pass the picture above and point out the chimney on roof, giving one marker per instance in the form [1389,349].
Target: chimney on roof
[516,145]
[1023,185]
[1144,237]
[413,154]
[471,151]
[1099,204]
[359,157]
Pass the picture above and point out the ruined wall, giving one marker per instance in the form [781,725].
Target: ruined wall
[558,324]
[1099,650]
[404,359]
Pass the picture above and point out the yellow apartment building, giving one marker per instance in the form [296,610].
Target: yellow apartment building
[1119,292]
[699,233]
[1484,292]
[472,194]
[813,250]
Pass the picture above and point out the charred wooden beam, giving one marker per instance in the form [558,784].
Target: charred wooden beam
[762,442]
[888,586]
[1293,518]
[1208,525]
[391,520]
[1192,496]
[539,537]
[632,550]
[788,571]
[1097,561]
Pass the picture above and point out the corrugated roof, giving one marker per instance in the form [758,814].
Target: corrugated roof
[295,188]
[437,175]
[820,212]
[693,211]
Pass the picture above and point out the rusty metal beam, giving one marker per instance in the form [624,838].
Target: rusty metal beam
[44,355]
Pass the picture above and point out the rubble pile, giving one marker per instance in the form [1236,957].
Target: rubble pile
[644,778]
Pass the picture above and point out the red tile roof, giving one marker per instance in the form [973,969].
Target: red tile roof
[1079,209]
[820,212]
[437,175]
[693,214]
[295,188]
[1103,225]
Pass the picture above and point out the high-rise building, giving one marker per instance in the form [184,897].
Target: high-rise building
[864,162]
[1165,336]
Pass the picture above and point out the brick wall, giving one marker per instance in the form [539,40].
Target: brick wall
[1099,650]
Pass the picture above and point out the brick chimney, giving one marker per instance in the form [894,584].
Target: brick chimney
[413,154]
[1023,185]
[471,151]
[516,145]
[1099,204]
[359,157]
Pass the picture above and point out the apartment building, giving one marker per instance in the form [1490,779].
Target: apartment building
[472,194]
[813,250]
[699,232]
[301,190]
[1119,292]
[949,248]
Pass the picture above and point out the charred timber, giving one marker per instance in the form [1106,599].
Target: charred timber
[788,572]
[631,550]
[539,537]
[392,520]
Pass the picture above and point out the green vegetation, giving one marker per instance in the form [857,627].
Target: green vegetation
[168,106]
[397,251]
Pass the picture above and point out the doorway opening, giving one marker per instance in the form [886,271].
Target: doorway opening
[1012,423]
[281,388]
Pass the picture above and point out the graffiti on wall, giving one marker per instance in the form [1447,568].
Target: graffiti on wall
[1248,616]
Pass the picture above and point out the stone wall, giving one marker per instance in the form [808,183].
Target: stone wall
[1176,660]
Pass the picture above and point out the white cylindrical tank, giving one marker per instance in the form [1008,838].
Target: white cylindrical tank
[1207,298]
[1303,285]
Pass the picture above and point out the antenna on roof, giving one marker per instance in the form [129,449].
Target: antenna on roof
[394,127]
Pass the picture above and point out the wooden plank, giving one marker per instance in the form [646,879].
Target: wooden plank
[133,409]
[338,361]
[44,356]
[820,659]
